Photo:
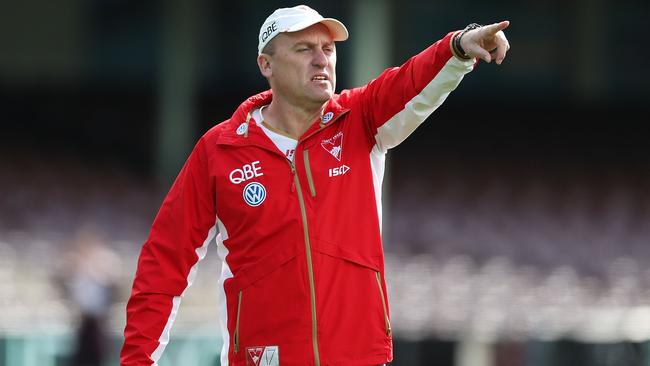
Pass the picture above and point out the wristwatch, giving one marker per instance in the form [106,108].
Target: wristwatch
[457,48]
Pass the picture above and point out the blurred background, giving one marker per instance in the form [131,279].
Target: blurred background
[516,218]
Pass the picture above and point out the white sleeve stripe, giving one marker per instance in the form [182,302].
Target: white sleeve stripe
[401,125]
[176,302]
[378,164]
[226,273]
[164,337]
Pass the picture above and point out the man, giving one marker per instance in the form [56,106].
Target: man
[291,183]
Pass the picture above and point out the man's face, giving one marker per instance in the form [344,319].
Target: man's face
[302,68]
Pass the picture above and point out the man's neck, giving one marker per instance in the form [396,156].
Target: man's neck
[289,118]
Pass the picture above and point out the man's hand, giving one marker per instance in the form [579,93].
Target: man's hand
[487,43]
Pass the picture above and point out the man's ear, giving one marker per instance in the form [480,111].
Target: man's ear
[264,63]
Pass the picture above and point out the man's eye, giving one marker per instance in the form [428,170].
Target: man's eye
[303,49]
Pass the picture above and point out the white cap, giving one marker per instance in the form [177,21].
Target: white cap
[295,19]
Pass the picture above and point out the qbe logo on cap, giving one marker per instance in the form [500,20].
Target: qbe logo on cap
[269,30]
[254,194]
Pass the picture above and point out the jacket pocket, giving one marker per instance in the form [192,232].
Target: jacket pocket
[352,310]
[266,307]
[383,303]
[236,335]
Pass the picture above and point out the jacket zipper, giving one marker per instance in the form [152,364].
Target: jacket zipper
[310,180]
[383,304]
[303,211]
[236,340]
[310,268]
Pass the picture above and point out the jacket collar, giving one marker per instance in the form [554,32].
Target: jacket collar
[256,101]
[243,130]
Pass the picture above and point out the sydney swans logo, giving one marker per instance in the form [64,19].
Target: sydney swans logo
[334,145]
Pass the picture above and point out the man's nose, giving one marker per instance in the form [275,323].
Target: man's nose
[320,58]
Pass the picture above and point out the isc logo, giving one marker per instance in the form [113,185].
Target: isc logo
[248,171]
[335,172]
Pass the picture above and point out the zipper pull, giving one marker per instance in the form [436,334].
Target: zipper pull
[293,174]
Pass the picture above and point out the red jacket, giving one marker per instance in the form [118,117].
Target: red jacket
[303,266]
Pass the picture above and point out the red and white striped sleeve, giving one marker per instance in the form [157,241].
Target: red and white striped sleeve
[401,98]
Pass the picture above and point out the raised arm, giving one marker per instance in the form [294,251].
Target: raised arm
[401,98]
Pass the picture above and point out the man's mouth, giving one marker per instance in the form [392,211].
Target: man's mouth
[319,78]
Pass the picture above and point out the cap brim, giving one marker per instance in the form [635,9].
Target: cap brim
[338,31]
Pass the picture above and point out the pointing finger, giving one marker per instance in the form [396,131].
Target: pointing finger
[494,28]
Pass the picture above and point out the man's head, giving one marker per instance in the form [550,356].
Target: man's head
[295,19]
[296,54]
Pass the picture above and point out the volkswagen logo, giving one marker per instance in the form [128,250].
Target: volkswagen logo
[242,128]
[327,117]
[254,194]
